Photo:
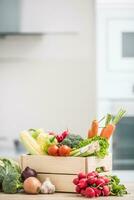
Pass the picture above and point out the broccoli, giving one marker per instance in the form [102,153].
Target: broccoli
[10,175]
[72,140]
[2,172]
[12,183]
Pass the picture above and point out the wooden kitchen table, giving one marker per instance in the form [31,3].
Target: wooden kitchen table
[65,196]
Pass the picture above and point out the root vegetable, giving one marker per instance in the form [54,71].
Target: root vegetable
[47,187]
[94,129]
[92,180]
[100,182]
[97,192]
[82,183]
[28,172]
[105,190]
[32,185]
[89,192]
[77,189]
[76,181]
[81,175]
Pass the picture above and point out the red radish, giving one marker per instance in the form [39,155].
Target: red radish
[82,183]
[76,181]
[89,192]
[77,189]
[97,191]
[100,182]
[92,180]
[82,192]
[105,179]
[105,191]
[81,175]
[92,174]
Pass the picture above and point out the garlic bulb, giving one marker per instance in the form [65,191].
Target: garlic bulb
[47,187]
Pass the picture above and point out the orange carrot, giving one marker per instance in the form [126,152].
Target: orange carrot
[110,124]
[108,131]
[94,129]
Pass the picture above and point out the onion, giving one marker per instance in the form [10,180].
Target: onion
[32,185]
[28,172]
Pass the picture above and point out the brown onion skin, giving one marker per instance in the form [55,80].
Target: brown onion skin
[32,185]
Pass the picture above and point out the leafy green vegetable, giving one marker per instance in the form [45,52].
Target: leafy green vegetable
[116,188]
[99,169]
[8,167]
[72,140]
[104,145]
[12,183]
[2,171]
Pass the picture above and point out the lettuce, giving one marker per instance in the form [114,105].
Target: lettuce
[104,145]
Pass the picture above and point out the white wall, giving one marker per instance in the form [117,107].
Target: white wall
[48,81]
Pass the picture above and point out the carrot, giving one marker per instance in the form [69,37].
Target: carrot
[110,124]
[108,131]
[94,129]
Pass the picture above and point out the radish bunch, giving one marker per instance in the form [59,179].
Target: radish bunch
[92,185]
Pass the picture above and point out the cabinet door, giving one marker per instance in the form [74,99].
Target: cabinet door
[51,15]
[121,44]
[9,16]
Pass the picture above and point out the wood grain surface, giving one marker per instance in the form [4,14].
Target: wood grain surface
[66,196]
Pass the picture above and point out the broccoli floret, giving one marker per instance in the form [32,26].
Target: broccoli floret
[12,183]
[72,140]
[2,172]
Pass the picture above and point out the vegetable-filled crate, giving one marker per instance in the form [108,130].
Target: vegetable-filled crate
[62,170]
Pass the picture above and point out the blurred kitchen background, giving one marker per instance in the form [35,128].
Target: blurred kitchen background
[64,63]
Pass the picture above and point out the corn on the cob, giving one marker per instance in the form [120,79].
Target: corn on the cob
[30,144]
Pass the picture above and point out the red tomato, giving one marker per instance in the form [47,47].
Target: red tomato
[64,150]
[53,150]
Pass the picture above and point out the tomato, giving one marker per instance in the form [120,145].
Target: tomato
[64,150]
[53,150]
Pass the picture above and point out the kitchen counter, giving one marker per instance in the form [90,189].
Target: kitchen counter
[66,196]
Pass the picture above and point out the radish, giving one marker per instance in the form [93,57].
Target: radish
[107,180]
[97,191]
[89,192]
[105,191]
[82,192]
[92,174]
[81,175]
[92,180]
[77,189]
[100,182]
[82,183]
[76,181]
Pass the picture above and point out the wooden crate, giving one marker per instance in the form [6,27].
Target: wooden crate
[62,170]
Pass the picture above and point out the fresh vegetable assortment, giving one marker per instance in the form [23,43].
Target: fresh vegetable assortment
[37,142]
[94,185]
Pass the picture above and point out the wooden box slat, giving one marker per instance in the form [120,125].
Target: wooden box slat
[63,183]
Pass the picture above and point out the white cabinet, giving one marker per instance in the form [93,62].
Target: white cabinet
[115,49]
[51,16]
[121,44]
